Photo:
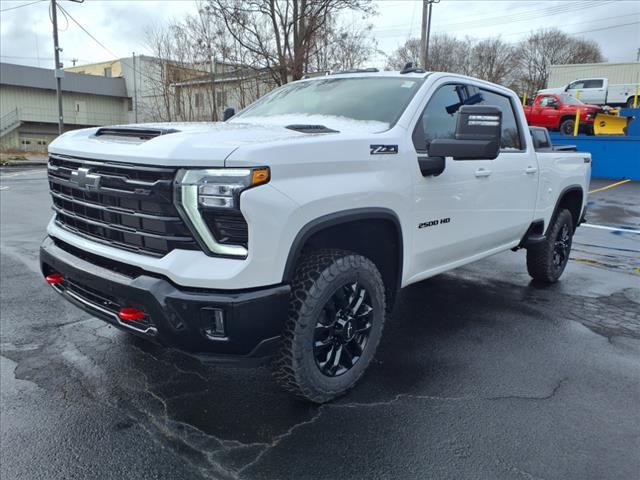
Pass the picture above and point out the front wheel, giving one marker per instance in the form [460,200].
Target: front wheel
[567,126]
[630,102]
[546,261]
[336,317]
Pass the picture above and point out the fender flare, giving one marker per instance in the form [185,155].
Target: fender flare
[336,218]
[563,192]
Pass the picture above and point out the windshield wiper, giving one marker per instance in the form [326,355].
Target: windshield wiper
[311,128]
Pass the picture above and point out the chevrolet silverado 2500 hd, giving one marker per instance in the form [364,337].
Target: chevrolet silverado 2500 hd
[286,232]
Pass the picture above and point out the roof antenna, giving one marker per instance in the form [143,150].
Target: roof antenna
[409,68]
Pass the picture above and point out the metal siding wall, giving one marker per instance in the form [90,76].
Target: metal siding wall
[40,106]
[615,72]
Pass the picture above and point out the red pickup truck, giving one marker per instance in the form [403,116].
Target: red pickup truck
[558,112]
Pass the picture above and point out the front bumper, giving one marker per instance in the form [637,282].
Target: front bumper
[175,316]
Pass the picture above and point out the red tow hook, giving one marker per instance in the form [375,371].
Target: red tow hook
[54,278]
[131,314]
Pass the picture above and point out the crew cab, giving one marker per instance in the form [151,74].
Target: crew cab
[558,112]
[598,91]
[285,233]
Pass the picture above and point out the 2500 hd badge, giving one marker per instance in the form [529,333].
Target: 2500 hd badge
[432,223]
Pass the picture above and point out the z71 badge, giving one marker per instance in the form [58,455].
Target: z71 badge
[383,149]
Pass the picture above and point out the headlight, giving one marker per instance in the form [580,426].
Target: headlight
[202,193]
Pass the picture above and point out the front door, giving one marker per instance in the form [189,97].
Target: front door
[447,211]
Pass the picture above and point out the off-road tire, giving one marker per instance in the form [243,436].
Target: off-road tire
[540,264]
[567,126]
[317,277]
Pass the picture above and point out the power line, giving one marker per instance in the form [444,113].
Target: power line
[87,31]
[107,49]
[528,15]
[20,6]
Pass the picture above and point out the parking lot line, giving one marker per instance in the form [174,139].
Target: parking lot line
[606,187]
[612,229]
[18,174]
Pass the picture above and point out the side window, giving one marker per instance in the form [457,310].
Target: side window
[576,85]
[511,138]
[436,122]
[540,140]
[544,101]
[593,84]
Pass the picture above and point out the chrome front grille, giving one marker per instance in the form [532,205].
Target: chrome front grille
[125,206]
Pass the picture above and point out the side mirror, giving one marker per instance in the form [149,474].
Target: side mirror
[228,113]
[567,88]
[478,135]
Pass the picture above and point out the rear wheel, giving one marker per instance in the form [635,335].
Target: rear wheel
[567,126]
[336,317]
[630,102]
[546,261]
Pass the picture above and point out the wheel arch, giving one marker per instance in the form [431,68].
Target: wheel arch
[571,198]
[354,230]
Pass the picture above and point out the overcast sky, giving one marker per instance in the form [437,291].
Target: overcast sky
[25,32]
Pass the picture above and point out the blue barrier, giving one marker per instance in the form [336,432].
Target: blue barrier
[614,156]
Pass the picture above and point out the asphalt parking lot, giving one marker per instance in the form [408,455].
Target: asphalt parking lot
[481,374]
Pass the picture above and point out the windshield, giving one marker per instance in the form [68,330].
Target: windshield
[569,100]
[339,103]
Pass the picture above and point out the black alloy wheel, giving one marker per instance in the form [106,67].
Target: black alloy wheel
[342,330]
[561,248]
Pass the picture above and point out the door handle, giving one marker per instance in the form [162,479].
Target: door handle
[482,172]
[531,169]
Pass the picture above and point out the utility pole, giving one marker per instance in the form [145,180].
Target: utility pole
[427,13]
[59,73]
[422,61]
[135,89]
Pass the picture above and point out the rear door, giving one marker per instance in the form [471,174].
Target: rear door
[593,91]
[509,196]
[589,90]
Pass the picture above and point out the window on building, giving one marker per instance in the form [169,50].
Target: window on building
[107,71]
[130,104]
[198,100]
[178,102]
[221,98]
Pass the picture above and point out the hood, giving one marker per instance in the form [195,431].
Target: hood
[183,144]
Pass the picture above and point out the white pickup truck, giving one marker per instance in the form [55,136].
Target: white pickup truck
[598,91]
[286,232]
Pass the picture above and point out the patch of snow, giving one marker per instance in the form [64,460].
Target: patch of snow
[342,124]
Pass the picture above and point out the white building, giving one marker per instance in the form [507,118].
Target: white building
[616,73]
[29,107]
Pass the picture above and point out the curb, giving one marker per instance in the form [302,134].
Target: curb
[26,163]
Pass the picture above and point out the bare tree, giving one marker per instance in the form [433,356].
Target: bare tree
[446,54]
[280,33]
[342,47]
[551,47]
[405,53]
[493,60]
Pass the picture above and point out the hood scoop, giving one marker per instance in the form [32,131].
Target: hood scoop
[311,129]
[132,133]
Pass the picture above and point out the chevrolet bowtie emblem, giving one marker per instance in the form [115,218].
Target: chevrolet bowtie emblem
[85,179]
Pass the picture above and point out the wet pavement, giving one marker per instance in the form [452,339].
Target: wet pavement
[481,374]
